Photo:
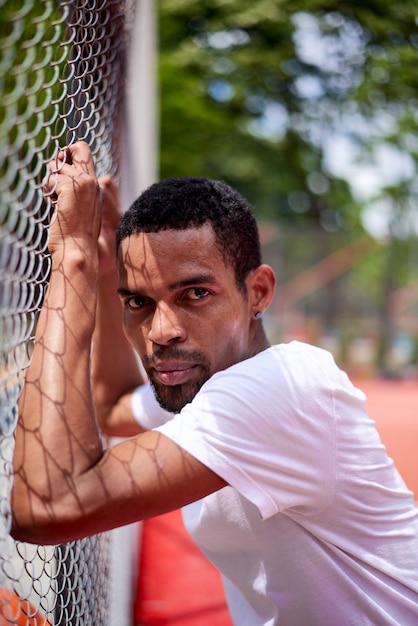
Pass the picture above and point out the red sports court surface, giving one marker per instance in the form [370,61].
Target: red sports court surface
[178,587]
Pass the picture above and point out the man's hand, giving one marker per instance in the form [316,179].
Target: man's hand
[73,186]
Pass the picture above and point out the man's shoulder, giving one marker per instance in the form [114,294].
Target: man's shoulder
[293,352]
[289,361]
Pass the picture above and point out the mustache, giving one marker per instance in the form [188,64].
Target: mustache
[174,354]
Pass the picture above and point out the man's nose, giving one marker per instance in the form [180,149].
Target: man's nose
[166,326]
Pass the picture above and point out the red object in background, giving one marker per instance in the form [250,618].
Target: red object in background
[177,585]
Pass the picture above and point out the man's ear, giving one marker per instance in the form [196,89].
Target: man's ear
[261,284]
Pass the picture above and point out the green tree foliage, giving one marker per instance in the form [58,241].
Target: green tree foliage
[257,92]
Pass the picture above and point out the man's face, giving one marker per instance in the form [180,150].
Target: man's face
[182,310]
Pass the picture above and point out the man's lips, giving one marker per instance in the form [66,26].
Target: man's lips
[174,373]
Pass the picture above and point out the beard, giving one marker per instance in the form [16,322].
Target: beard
[173,398]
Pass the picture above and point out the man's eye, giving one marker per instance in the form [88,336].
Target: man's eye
[136,302]
[197,293]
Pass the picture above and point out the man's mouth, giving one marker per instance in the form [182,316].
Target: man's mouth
[174,373]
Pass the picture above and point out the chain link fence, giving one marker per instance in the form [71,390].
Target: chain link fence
[62,74]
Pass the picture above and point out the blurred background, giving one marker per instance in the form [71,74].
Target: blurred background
[310,110]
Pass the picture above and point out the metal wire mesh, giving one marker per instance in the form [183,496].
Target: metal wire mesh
[61,78]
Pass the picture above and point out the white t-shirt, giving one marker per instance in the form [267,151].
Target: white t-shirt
[316,527]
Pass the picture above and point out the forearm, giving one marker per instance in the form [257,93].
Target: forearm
[66,486]
[115,368]
[57,438]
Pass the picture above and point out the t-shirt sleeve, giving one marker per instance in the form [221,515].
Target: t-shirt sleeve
[267,427]
[146,410]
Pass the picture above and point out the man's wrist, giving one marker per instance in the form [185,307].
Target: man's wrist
[85,257]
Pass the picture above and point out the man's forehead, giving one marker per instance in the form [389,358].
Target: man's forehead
[171,252]
[168,242]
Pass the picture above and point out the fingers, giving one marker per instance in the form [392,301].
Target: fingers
[75,198]
[62,158]
[78,155]
[71,178]
[50,185]
[111,203]
[73,161]
[51,180]
[108,187]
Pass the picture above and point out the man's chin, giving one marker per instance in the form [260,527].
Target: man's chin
[173,398]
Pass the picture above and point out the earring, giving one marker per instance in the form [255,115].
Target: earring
[258,315]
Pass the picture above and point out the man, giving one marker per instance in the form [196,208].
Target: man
[289,489]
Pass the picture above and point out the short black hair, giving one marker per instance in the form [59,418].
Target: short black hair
[190,202]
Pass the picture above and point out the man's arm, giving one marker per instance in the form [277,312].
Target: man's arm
[115,369]
[66,485]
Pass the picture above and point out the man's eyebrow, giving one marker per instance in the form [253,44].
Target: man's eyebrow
[193,280]
[199,279]
[124,292]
